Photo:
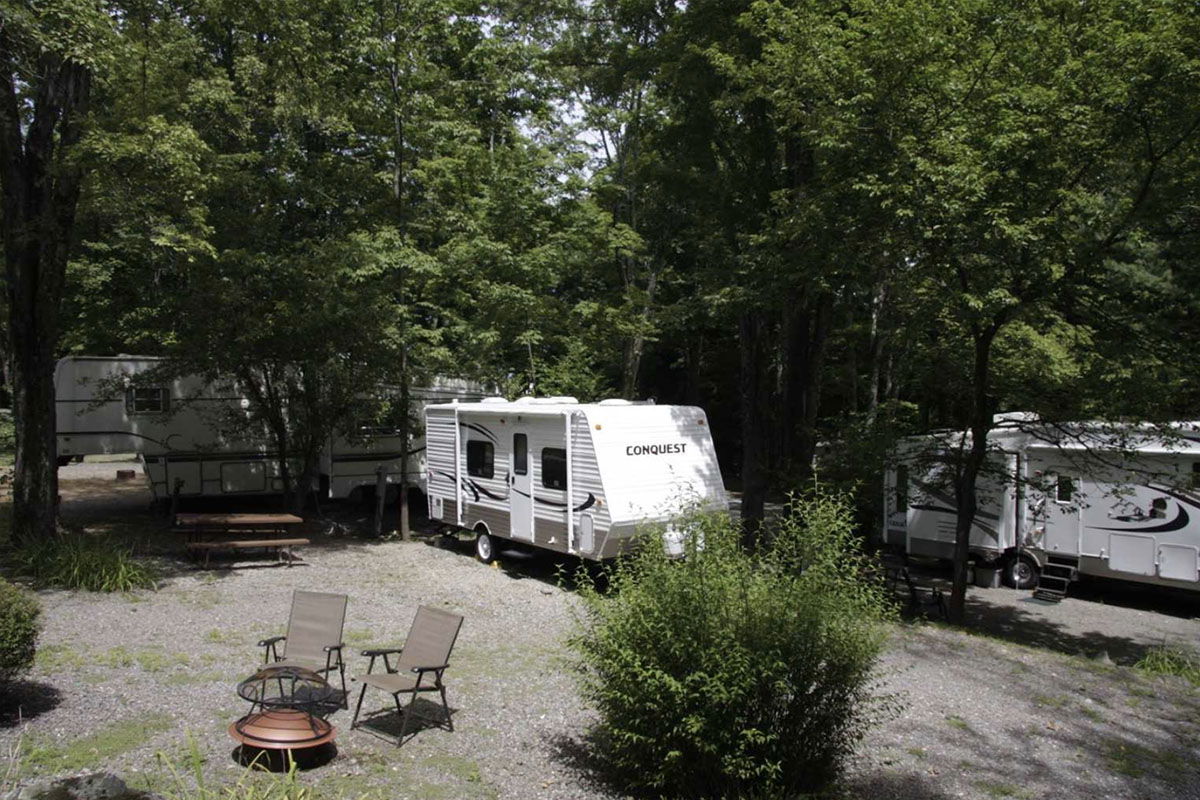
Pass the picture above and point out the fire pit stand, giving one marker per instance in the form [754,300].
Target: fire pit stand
[291,704]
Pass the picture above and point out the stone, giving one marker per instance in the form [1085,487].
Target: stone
[89,786]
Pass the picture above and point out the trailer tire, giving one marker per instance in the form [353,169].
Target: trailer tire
[485,546]
[1021,572]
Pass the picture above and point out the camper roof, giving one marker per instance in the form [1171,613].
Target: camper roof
[543,406]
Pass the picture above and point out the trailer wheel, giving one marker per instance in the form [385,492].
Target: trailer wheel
[485,547]
[1021,572]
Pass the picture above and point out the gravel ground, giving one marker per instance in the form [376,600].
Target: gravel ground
[1033,708]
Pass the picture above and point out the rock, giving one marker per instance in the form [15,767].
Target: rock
[1103,658]
[90,786]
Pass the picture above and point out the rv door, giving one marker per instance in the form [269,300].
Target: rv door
[520,496]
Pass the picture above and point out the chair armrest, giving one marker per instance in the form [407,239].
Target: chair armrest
[382,651]
[329,648]
[437,668]
[271,641]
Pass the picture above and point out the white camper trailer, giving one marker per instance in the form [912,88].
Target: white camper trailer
[1059,501]
[175,428]
[570,477]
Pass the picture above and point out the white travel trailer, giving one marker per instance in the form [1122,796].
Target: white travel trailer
[1060,501]
[565,476]
[175,429]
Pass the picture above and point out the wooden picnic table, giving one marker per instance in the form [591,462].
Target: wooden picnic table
[275,526]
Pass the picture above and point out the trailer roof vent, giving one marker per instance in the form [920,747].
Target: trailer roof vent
[495,401]
[616,401]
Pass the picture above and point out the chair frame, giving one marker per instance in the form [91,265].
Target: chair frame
[421,671]
[333,660]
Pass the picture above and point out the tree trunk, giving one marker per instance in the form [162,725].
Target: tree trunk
[40,194]
[35,484]
[965,494]
[752,341]
[875,353]
[405,445]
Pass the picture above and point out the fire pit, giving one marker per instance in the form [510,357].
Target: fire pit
[291,703]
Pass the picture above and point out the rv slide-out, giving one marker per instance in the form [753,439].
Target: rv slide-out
[176,429]
[1089,498]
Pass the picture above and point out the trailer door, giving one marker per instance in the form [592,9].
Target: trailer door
[1061,514]
[520,501]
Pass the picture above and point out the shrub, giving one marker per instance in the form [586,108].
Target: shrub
[19,613]
[730,674]
[78,561]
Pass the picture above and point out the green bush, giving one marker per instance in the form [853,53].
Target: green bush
[19,612]
[78,561]
[729,674]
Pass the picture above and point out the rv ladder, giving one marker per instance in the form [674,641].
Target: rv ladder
[1057,574]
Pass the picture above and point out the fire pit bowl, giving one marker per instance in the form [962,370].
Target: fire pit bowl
[287,706]
[282,729]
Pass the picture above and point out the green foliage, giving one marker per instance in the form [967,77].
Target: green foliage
[80,561]
[1178,660]
[19,627]
[8,443]
[730,673]
[182,778]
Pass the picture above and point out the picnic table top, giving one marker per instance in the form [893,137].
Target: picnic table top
[235,520]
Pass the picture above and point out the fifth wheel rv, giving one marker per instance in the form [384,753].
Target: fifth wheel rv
[174,427]
[565,476]
[1059,501]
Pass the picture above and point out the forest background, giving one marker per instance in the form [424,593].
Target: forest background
[828,223]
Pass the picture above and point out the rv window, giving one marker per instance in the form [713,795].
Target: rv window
[1065,489]
[554,468]
[1158,508]
[147,400]
[520,454]
[901,488]
[480,459]
[1196,474]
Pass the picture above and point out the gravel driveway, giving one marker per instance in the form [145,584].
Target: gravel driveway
[121,678]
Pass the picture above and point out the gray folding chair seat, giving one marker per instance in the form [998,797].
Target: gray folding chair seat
[420,664]
[314,636]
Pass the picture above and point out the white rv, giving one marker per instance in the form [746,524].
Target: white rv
[1059,501]
[175,429]
[565,476]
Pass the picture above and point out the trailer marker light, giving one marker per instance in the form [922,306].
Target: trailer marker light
[598,427]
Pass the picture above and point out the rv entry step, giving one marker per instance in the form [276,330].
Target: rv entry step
[1057,574]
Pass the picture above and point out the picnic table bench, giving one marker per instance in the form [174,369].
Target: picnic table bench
[270,532]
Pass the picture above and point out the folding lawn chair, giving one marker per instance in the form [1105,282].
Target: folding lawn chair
[314,636]
[419,668]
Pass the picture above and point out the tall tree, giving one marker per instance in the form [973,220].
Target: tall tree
[48,52]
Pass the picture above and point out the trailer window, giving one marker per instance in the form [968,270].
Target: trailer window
[554,468]
[1196,474]
[1064,490]
[520,454]
[901,488]
[147,400]
[1158,508]
[480,459]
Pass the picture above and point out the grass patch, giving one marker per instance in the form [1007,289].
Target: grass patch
[955,721]
[1135,760]
[998,789]
[53,657]
[1048,701]
[1091,713]
[918,752]
[1167,659]
[97,749]
[78,561]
